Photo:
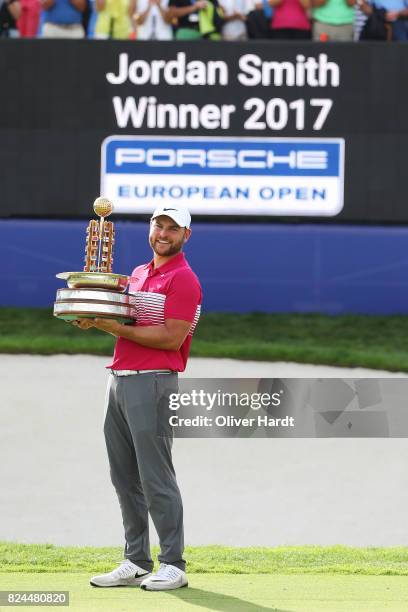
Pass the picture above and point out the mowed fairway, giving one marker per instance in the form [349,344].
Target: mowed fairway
[287,579]
[235,593]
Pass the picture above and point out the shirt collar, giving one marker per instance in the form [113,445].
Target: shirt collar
[172,264]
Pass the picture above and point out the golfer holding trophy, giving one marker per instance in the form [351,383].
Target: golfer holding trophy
[154,324]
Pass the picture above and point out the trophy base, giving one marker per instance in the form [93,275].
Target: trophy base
[72,304]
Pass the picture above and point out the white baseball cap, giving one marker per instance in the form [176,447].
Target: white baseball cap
[179,214]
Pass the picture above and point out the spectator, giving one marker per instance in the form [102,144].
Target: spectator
[29,18]
[235,15]
[359,19]
[63,18]
[333,20]
[10,11]
[86,15]
[397,16]
[184,14]
[290,19]
[114,19]
[395,13]
[258,21]
[211,20]
[152,20]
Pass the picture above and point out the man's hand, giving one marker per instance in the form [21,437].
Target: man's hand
[109,326]
[83,323]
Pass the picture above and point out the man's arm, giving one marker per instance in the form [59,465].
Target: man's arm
[182,299]
[14,8]
[140,18]
[169,336]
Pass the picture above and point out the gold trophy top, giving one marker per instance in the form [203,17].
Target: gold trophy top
[100,238]
[103,207]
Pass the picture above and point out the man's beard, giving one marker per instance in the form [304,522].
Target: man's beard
[172,249]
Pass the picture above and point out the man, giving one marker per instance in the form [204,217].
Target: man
[63,18]
[147,357]
[394,19]
[185,15]
[151,20]
[10,12]
[113,19]
[333,20]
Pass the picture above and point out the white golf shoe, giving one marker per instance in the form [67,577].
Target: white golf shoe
[127,574]
[166,578]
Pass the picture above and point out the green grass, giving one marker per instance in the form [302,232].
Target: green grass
[284,579]
[226,593]
[40,558]
[350,340]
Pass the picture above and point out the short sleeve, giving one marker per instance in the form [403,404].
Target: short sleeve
[183,297]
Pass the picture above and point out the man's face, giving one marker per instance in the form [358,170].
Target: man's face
[166,237]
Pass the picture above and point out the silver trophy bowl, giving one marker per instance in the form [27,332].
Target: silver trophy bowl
[72,304]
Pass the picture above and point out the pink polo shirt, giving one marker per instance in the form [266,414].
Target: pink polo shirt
[290,14]
[171,291]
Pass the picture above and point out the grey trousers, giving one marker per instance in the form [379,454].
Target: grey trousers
[139,441]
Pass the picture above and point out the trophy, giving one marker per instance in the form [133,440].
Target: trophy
[96,291]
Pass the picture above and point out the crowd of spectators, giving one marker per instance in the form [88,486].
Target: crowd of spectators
[323,20]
